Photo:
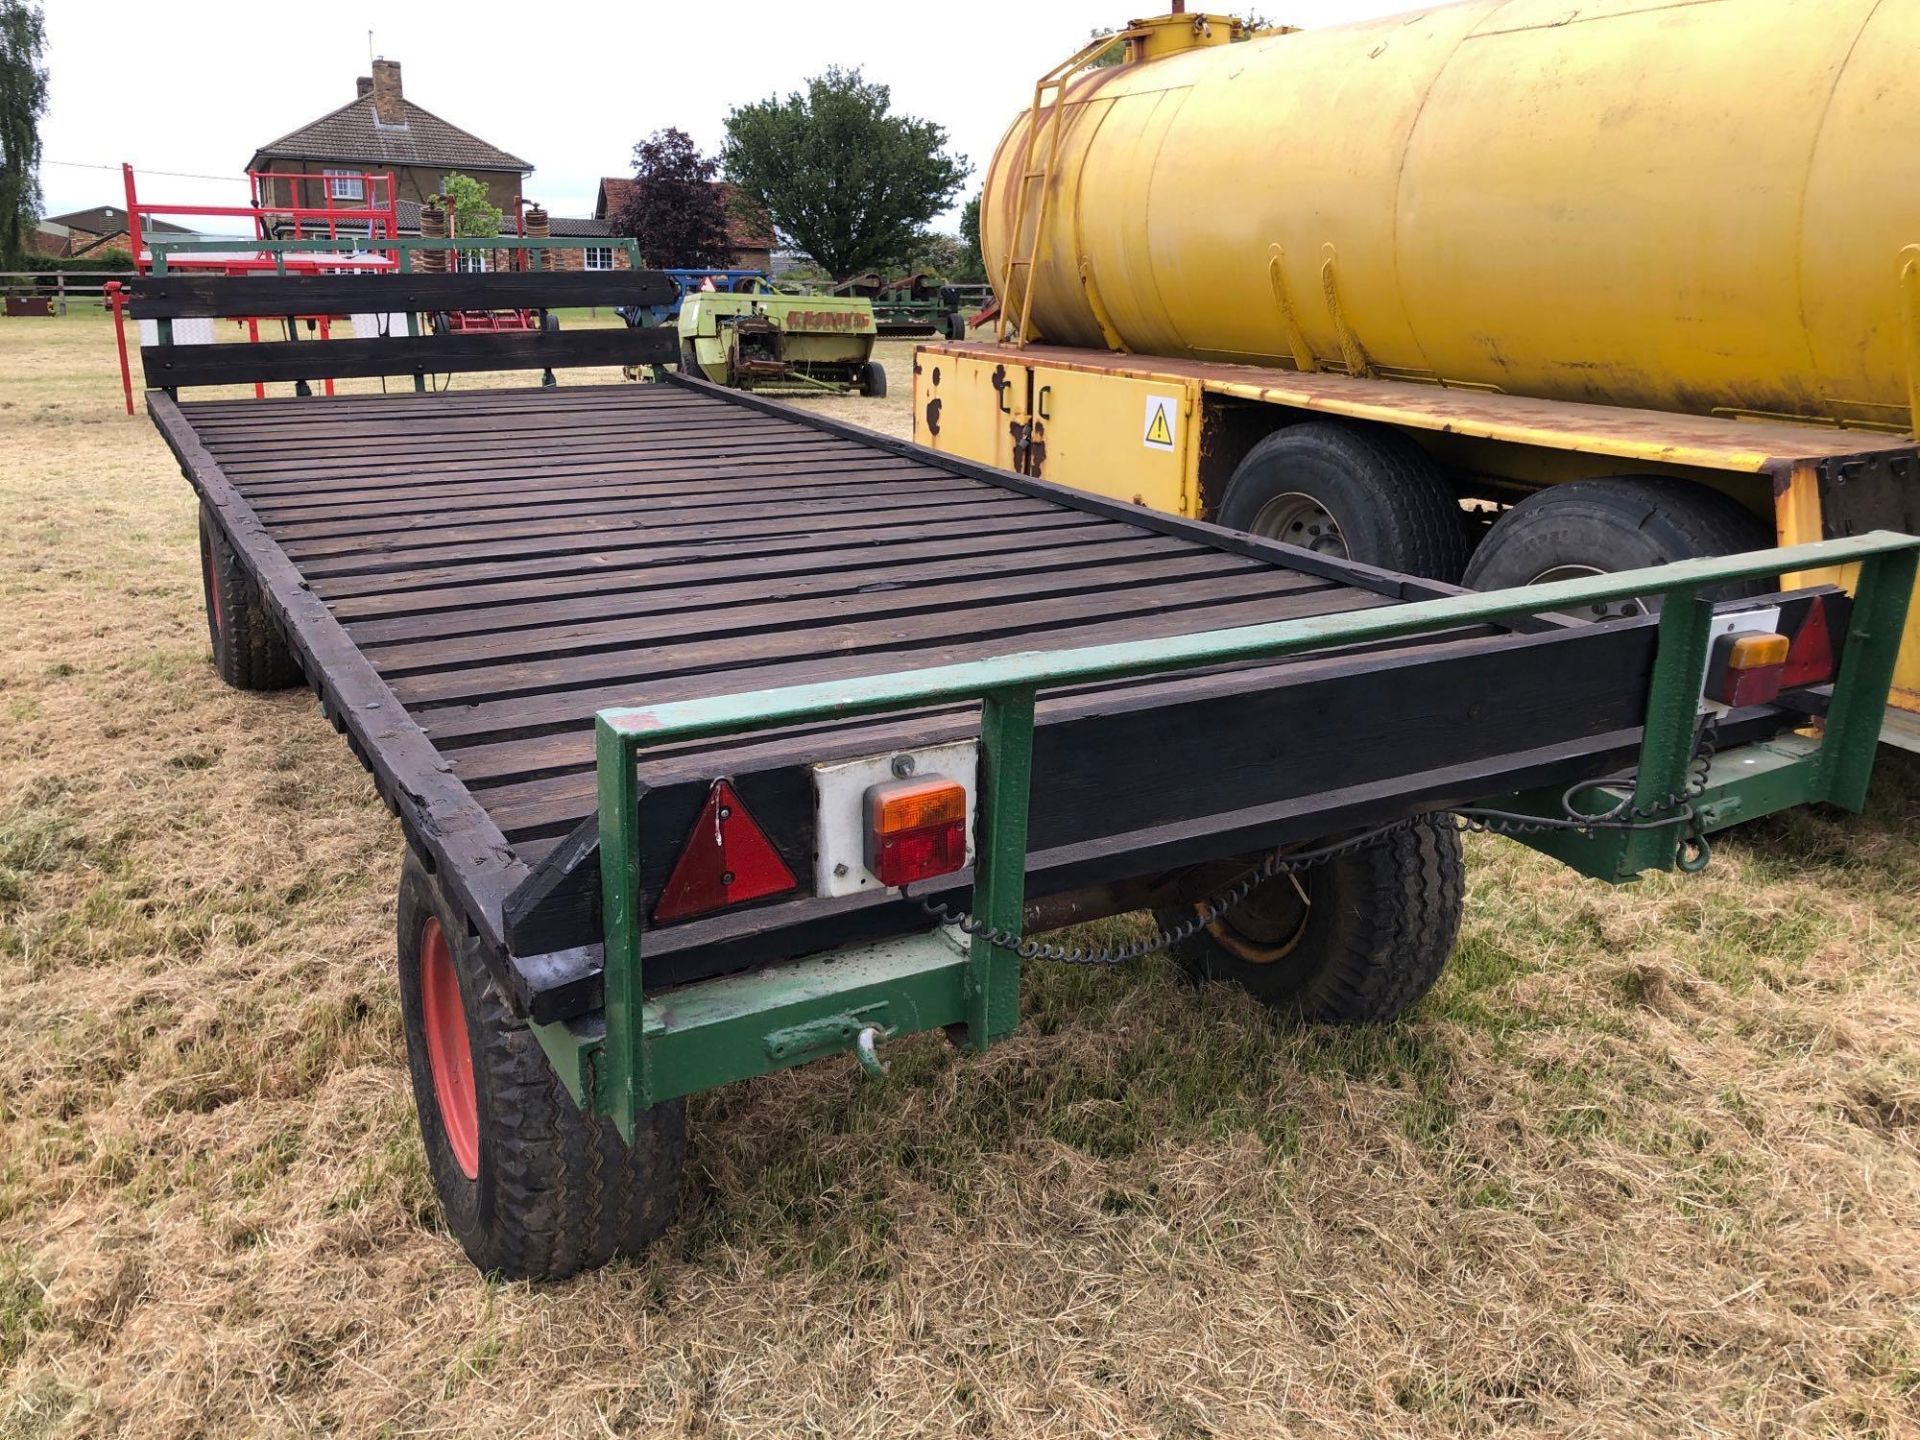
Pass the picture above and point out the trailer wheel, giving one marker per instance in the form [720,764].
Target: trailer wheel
[1356,492]
[956,326]
[690,361]
[1595,527]
[873,380]
[1356,941]
[248,650]
[530,1187]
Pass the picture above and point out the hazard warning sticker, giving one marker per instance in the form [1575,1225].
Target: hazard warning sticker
[1162,422]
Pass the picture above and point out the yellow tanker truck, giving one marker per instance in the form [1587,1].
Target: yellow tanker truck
[1501,291]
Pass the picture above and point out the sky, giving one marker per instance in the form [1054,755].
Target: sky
[193,86]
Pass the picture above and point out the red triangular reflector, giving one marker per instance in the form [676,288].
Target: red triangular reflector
[727,859]
[1810,659]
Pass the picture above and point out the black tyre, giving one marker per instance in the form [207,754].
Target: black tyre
[956,326]
[530,1187]
[248,650]
[1356,941]
[873,379]
[1595,527]
[689,361]
[1356,492]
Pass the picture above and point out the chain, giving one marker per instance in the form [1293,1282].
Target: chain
[1676,809]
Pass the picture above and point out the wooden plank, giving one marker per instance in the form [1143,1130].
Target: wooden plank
[312,456]
[532,491]
[660,518]
[712,587]
[180,366]
[339,534]
[427,592]
[753,612]
[165,297]
[589,541]
[559,721]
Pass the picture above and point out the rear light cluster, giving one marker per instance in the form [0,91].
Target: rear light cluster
[906,829]
[1751,664]
[916,829]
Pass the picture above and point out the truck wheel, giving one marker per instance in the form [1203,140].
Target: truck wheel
[1595,527]
[530,1187]
[1354,492]
[1356,941]
[247,648]
[873,380]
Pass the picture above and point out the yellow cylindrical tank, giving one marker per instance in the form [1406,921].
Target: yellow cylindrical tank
[1693,205]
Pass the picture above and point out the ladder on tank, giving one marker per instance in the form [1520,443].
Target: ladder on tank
[1015,321]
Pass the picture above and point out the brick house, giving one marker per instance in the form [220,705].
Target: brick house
[599,248]
[751,237]
[94,232]
[381,130]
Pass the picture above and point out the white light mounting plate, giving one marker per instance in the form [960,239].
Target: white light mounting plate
[839,808]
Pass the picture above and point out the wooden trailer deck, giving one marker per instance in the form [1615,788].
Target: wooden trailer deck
[469,576]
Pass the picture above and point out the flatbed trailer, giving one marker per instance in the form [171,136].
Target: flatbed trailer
[615,651]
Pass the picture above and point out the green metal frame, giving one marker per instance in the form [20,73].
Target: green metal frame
[644,1051]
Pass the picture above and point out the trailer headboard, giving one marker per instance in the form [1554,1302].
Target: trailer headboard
[440,349]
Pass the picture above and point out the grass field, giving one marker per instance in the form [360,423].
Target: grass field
[1644,1163]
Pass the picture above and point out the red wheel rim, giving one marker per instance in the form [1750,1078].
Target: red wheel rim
[449,1056]
[213,585]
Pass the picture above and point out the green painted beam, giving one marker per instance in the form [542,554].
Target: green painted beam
[716,1031]
[764,709]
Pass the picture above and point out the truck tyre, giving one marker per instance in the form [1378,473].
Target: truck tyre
[530,1187]
[248,650]
[1595,527]
[1356,941]
[1355,492]
[873,380]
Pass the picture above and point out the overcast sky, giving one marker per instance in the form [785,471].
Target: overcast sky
[195,85]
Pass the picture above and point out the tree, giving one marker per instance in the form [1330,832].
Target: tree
[469,208]
[675,209]
[973,270]
[844,178]
[23,100]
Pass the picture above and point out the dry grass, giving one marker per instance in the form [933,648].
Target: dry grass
[1645,1164]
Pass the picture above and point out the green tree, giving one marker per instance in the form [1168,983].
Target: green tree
[472,212]
[973,268]
[844,178]
[23,100]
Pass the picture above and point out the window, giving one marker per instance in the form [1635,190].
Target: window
[599,257]
[346,185]
[470,262]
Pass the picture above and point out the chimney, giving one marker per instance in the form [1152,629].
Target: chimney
[365,82]
[386,93]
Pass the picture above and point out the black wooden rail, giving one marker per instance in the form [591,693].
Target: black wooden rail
[177,367]
[174,367]
[168,297]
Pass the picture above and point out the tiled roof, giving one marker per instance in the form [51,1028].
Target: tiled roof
[577,225]
[742,233]
[355,135]
[111,220]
